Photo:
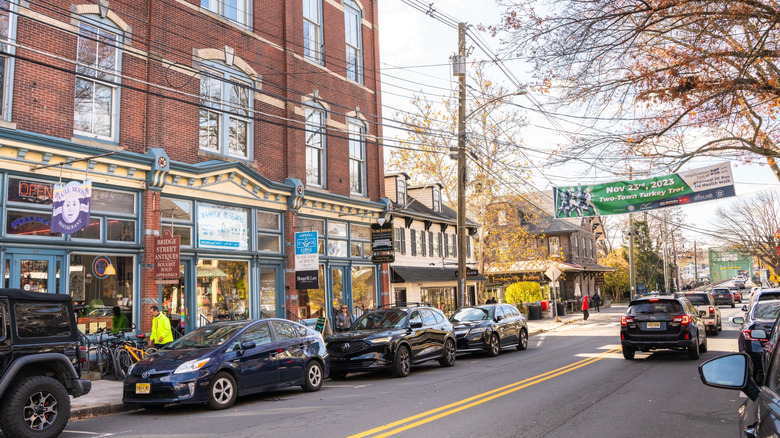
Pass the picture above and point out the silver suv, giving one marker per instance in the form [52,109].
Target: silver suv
[705,305]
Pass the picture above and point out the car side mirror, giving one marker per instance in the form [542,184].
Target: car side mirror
[759,334]
[731,371]
[416,325]
[744,308]
[738,320]
[243,346]
[499,318]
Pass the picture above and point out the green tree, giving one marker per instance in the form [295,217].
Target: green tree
[647,262]
[617,283]
[523,292]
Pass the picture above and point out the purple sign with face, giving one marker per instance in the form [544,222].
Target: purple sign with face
[70,206]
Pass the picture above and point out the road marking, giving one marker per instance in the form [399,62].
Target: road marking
[452,408]
[541,339]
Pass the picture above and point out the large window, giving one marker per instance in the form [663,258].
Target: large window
[312,30]
[352,17]
[97,82]
[177,215]
[97,283]
[269,230]
[555,246]
[315,146]
[235,10]
[363,288]
[225,115]
[223,290]
[357,153]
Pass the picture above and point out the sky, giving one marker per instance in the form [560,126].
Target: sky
[415,51]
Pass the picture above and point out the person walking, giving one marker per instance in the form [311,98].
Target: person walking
[118,321]
[343,319]
[597,301]
[491,300]
[161,329]
[585,313]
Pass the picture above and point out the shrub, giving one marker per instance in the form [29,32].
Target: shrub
[523,292]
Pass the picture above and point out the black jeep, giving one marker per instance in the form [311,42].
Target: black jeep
[39,363]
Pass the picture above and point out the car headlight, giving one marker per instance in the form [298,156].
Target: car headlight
[476,330]
[382,340]
[190,366]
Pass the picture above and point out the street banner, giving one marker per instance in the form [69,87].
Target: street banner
[70,206]
[619,197]
[306,260]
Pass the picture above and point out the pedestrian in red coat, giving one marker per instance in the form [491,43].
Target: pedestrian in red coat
[585,313]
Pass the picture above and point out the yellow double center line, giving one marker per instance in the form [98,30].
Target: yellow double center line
[434,414]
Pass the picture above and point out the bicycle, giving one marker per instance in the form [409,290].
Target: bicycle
[129,352]
[103,351]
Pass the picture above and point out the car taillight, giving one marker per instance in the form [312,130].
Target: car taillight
[712,310]
[684,320]
[624,320]
[82,354]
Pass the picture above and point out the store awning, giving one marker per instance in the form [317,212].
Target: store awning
[414,274]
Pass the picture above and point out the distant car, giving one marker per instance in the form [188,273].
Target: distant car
[393,338]
[662,323]
[489,328]
[761,316]
[739,282]
[218,362]
[709,312]
[737,294]
[723,295]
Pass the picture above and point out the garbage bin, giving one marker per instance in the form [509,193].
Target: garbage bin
[560,308]
[534,312]
[545,305]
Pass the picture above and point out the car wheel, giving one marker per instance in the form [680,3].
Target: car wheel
[733,305]
[448,359]
[523,344]
[693,352]
[338,375]
[703,346]
[37,406]
[222,391]
[403,362]
[493,346]
[313,377]
[716,329]
[628,353]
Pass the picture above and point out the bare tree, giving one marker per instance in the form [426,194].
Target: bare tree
[751,225]
[665,80]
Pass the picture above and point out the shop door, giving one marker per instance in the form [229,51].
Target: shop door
[176,299]
[340,287]
[271,304]
[35,272]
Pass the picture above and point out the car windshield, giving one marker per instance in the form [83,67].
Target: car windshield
[209,336]
[470,314]
[381,319]
[645,307]
[697,299]
[766,311]
[765,296]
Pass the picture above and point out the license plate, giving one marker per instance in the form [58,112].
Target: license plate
[143,388]
[653,325]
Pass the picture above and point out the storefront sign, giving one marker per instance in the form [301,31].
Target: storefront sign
[705,184]
[382,237]
[222,227]
[306,260]
[166,256]
[70,206]
[383,258]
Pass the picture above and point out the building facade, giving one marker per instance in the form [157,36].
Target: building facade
[231,124]
[426,249]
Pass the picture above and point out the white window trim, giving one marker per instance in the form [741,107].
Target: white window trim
[7,85]
[312,106]
[318,58]
[362,161]
[352,8]
[223,109]
[218,7]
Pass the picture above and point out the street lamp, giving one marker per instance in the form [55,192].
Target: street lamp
[462,117]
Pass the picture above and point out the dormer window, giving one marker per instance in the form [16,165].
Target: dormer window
[436,200]
[401,190]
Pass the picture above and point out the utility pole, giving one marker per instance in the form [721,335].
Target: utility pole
[695,265]
[666,255]
[631,277]
[462,233]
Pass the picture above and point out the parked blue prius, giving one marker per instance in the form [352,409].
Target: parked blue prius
[217,363]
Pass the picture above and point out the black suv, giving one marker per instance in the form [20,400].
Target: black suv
[662,322]
[393,338]
[39,361]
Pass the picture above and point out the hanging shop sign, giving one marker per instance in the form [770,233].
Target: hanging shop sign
[382,242]
[698,185]
[222,227]
[166,258]
[306,260]
[70,206]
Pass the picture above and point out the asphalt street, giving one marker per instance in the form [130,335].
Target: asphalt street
[572,381]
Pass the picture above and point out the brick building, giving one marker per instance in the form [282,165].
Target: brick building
[230,123]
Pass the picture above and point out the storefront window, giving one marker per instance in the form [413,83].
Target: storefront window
[173,302]
[222,290]
[222,227]
[269,241]
[7,276]
[23,223]
[98,283]
[337,248]
[122,231]
[268,292]
[440,298]
[337,229]
[113,202]
[305,224]
[185,234]
[91,231]
[311,302]
[363,289]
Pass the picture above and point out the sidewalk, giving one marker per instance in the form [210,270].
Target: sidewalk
[105,398]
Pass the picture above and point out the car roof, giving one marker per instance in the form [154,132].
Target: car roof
[19,294]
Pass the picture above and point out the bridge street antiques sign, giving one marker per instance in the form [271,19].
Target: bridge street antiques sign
[306,260]
[166,258]
[698,185]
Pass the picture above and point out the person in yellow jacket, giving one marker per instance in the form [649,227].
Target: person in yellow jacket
[161,329]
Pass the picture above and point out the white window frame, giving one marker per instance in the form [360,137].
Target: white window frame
[107,78]
[312,25]
[226,112]
[353,16]
[315,145]
[357,158]
[436,200]
[243,10]
[400,190]
[554,245]
[8,50]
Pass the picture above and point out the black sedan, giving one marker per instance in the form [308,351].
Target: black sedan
[394,339]
[216,363]
[489,328]
[762,316]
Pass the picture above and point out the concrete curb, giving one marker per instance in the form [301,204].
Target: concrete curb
[563,323]
[99,411]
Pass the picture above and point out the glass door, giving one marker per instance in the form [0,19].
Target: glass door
[35,272]
[269,294]
[175,300]
[339,287]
